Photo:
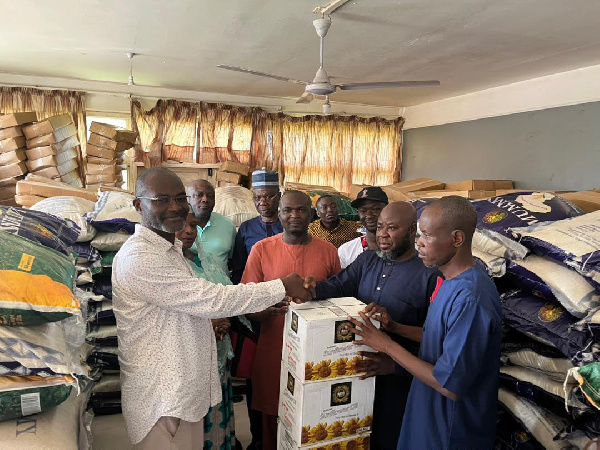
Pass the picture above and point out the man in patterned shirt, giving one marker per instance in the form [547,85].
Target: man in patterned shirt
[330,226]
[168,355]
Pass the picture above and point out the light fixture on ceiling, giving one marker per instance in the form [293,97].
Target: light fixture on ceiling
[130,56]
[326,109]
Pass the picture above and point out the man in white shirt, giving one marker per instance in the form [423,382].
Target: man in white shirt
[167,347]
[369,203]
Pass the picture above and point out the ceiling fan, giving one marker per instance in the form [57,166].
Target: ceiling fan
[321,84]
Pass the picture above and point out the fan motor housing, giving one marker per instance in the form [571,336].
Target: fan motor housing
[320,88]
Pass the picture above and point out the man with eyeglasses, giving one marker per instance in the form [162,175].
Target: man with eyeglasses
[216,233]
[265,189]
[369,203]
[167,347]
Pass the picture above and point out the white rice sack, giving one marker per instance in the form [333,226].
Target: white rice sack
[58,428]
[495,265]
[554,387]
[108,383]
[102,332]
[235,203]
[542,424]
[574,242]
[110,242]
[495,216]
[72,208]
[114,211]
[555,368]
[550,279]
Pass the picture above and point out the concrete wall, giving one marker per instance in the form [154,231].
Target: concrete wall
[556,148]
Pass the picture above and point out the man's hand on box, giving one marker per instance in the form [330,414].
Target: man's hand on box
[380,314]
[370,335]
[373,364]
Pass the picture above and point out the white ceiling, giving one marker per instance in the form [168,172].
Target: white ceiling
[469,45]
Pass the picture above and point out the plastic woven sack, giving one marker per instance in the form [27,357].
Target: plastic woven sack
[235,203]
[574,242]
[24,396]
[110,242]
[114,211]
[345,209]
[36,226]
[511,435]
[495,266]
[71,208]
[84,252]
[588,378]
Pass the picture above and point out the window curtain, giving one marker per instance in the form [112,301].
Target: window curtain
[267,141]
[225,133]
[47,103]
[180,129]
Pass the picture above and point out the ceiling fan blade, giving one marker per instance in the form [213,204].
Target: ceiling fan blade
[387,84]
[261,74]
[307,97]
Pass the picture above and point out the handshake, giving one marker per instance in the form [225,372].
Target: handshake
[298,289]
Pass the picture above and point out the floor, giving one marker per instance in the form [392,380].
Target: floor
[109,431]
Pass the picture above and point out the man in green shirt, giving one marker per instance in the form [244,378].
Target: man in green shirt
[216,233]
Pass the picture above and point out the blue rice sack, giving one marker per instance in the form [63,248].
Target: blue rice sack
[39,227]
[495,216]
[573,242]
[114,211]
[71,208]
[550,280]
[549,323]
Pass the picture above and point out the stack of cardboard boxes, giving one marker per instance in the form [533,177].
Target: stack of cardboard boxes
[36,188]
[322,401]
[12,154]
[106,155]
[52,149]
[233,173]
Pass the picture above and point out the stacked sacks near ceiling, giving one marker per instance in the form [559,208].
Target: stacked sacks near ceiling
[114,217]
[42,329]
[549,306]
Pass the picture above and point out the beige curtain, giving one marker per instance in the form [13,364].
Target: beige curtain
[46,104]
[180,129]
[267,141]
[149,128]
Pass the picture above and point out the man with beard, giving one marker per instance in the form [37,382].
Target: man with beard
[167,347]
[395,280]
[454,394]
[330,226]
[292,251]
[369,203]
[216,233]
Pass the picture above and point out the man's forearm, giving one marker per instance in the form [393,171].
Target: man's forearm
[420,369]
[409,332]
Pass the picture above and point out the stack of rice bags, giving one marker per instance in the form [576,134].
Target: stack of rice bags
[41,329]
[114,218]
[106,154]
[236,203]
[12,154]
[540,250]
[53,149]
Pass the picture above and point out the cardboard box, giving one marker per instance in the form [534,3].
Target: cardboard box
[34,185]
[446,193]
[309,187]
[503,184]
[28,201]
[114,133]
[12,144]
[103,161]
[101,169]
[52,149]
[234,178]
[11,132]
[418,184]
[102,141]
[16,119]
[9,182]
[48,139]
[326,410]
[9,202]
[225,184]
[13,170]
[395,195]
[67,155]
[235,167]
[101,152]
[47,126]
[48,172]
[104,178]
[8,192]
[357,442]
[316,343]
[588,201]
[479,185]
[37,164]
[12,157]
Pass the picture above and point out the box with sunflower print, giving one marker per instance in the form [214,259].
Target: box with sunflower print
[357,442]
[329,410]
[317,344]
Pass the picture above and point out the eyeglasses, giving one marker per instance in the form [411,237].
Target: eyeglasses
[163,200]
[266,198]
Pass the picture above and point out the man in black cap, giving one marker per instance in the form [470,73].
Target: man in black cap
[369,203]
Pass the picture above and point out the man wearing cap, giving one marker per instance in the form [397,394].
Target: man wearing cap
[265,189]
[330,226]
[369,203]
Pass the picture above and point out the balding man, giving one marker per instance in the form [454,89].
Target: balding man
[393,278]
[216,233]
[167,345]
[454,394]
